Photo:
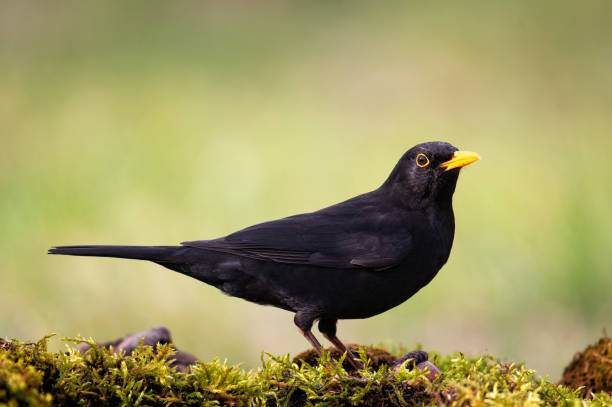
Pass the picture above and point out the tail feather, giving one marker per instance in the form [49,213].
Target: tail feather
[152,253]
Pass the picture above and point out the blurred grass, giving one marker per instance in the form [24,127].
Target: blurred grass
[156,122]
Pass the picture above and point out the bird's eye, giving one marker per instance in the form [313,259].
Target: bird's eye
[422,160]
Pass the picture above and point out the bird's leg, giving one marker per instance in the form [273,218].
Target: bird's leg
[304,324]
[342,348]
[328,329]
[312,339]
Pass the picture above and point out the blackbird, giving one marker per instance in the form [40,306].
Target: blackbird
[355,259]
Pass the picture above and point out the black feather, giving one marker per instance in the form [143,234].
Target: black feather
[153,253]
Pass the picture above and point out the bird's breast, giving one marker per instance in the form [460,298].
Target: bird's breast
[431,246]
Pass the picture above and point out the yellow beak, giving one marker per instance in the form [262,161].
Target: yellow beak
[460,159]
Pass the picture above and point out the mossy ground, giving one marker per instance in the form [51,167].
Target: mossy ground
[31,375]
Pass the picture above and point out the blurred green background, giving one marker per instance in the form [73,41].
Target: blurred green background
[158,122]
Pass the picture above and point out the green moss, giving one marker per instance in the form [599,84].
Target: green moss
[31,375]
[21,381]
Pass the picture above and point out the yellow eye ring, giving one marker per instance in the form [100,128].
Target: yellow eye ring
[422,160]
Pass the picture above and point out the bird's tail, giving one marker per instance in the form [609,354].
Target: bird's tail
[152,253]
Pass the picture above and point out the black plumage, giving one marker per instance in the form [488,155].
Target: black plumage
[354,259]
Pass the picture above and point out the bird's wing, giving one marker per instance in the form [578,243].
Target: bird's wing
[347,235]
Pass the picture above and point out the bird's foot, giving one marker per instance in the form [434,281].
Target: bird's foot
[376,357]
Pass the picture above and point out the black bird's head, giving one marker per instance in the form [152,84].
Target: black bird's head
[427,173]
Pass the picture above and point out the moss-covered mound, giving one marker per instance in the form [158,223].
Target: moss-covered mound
[31,375]
[591,369]
[378,357]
